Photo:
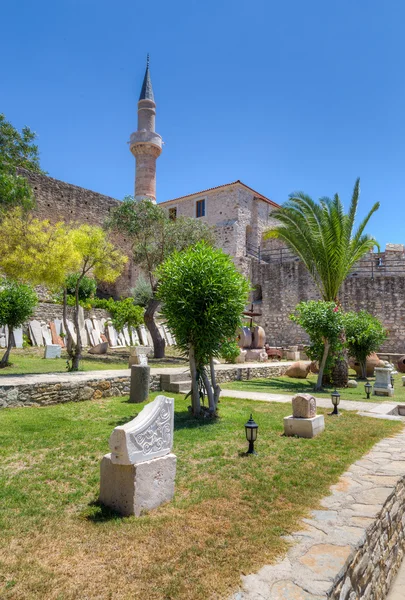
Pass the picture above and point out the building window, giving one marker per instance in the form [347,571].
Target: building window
[173,214]
[200,208]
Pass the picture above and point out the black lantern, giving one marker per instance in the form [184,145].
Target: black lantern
[251,434]
[335,401]
[392,380]
[367,388]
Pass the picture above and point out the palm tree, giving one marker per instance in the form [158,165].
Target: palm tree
[323,237]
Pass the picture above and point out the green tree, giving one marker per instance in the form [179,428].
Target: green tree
[364,335]
[203,297]
[14,192]
[154,237]
[142,292]
[17,303]
[17,149]
[323,322]
[98,257]
[125,313]
[324,238]
[87,286]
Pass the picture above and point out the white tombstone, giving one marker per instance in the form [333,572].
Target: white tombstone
[52,351]
[36,333]
[382,385]
[58,326]
[72,330]
[126,336]
[112,336]
[139,473]
[3,343]
[18,337]
[135,337]
[142,335]
[92,334]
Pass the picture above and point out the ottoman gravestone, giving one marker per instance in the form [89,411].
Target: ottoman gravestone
[382,385]
[52,351]
[304,422]
[138,475]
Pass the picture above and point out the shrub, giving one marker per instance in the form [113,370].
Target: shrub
[230,351]
[364,335]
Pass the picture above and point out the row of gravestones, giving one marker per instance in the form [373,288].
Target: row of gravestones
[92,332]
[17,335]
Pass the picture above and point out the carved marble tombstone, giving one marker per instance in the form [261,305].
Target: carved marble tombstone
[52,351]
[138,475]
[304,422]
[382,385]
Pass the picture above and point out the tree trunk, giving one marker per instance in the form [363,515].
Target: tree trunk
[210,393]
[68,339]
[340,372]
[195,396]
[77,352]
[217,389]
[4,360]
[149,317]
[318,385]
[363,367]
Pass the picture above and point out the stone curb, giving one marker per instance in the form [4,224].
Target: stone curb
[353,547]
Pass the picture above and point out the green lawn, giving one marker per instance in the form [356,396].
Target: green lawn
[288,385]
[227,518]
[30,361]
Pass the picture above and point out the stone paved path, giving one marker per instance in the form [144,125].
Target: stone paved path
[349,549]
[323,402]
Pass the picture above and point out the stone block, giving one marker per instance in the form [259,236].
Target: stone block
[136,488]
[140,379]
[99,349]
[256,355]
[52,351]
[305,428]
[352,383]
[303,406]
[298,370]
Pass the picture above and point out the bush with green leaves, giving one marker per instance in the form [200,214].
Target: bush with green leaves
[17,303]
[87,286]
[142,291]
[230,351]
[364,335]
[323,322]
[203,296]
[125,313]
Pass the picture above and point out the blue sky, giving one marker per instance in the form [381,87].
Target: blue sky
[285,95]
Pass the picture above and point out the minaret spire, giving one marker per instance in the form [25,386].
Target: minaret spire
[145,143]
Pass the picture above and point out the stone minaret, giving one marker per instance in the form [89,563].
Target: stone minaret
[145,144]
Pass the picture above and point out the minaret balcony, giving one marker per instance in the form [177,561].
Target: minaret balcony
[146,137]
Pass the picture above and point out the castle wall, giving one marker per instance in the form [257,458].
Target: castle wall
[284,285]
[60,201]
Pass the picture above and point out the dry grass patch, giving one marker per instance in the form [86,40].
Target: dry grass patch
[227,518]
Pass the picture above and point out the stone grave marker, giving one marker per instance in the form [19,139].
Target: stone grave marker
[382,385]
[56,339]
[36,333]
[304,422]
[18,337]
[46,333]
[52,351]
[138,475]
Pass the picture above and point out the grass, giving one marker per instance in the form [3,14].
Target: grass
[288,385]
[30,361]
[227,518]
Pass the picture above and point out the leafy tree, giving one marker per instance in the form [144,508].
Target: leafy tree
[125,313]
[36,252]
[87,286]
[230,350]
[103,261]
[154,237]
[323,322]
[142,292]
[14,191]
[203,297]
[17,149]
[17,303]
[364,335]
[324,238]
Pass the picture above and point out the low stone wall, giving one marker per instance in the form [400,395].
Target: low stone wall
[46,311]
[373,567]
[352,548]
[243,373]
[46,393]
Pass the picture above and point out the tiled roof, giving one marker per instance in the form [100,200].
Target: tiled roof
[257,195]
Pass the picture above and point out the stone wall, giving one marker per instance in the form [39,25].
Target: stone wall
[285,284]
[48,312]
[373,567]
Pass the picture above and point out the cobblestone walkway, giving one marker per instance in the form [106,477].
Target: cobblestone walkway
[352,547]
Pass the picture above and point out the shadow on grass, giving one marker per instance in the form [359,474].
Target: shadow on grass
[98,513]
[275,383]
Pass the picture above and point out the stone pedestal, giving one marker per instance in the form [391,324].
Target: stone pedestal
[136,488]
[305,428]
[140,378]
[52,351]
[382,385]
[255,355]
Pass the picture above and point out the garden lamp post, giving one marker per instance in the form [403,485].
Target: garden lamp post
[335,401]
[367,388]
[251,434]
